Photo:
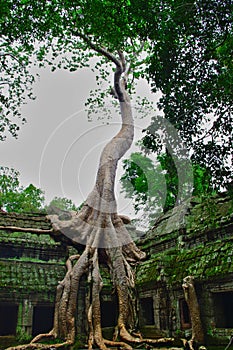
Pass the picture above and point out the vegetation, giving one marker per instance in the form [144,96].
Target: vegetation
[190,62]
[16,79]
[19,199]
[61,203]
[154,187]
[16,198]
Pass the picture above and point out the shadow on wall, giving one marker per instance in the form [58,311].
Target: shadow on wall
[8,319]
[42,319]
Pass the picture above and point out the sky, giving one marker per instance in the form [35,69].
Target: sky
[58,149]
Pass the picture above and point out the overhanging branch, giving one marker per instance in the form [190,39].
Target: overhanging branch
[100,50]
[5,54]
[120,63]
[5,83]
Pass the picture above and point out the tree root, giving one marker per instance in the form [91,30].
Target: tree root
[118,258]
[66,299]
[120,344]
[32,346]
[126,336]
[194,309]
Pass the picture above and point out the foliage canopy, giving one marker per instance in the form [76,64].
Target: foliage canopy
[191,64]
[188,48]
[153,187]
[62,203]
[16,198]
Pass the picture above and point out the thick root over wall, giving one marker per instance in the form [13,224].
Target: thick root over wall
[118,259]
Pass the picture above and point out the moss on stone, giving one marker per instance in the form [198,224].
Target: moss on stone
[37,277]
[211,213]
[203,262]
[27,239]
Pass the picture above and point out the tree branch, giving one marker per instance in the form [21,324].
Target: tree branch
[100,50]
[122,58]
[117,84]
[120,64]
[135,53]
[9,54]
[208,132]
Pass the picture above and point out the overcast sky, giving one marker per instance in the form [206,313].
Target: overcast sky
[58,148]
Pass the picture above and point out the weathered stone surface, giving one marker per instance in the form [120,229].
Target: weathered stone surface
[195,239]
[190,224]
[30,267]
[205,262]
[25,220]
[30,276]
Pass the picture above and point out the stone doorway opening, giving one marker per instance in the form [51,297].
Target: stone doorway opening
[223,309]
[109,312]
[184,314]
[42,319]
[8,318]
[146,311]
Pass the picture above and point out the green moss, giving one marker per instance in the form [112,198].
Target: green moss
[19,322]
[34,260]
[28,239]
[203,262]
[210,214]
[39,277]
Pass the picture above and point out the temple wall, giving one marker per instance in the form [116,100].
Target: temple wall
[192,239]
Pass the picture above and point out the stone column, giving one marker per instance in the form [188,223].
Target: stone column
[25,317]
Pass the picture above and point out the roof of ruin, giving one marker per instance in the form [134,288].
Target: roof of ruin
[194,238]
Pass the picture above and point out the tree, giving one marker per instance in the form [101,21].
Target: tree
[16,198]
[154,186]
[62,203]
[69,28]
[191,64]
[116,32]
[144,182]
[16,80]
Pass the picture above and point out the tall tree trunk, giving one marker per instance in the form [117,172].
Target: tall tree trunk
[96,226]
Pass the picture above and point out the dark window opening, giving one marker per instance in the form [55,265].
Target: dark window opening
[223,309]
[146,312]
[184,314]
[10,252]
[42,319]
[109,313]
[8,319]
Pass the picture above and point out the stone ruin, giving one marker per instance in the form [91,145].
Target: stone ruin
[195,238]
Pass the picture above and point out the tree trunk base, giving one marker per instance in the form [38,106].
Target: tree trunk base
[66,299]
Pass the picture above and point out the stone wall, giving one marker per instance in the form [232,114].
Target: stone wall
[192,239]
[30,267]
